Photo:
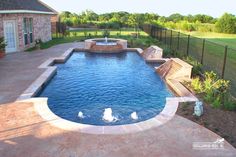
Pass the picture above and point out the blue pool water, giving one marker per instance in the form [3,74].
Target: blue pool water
[90,83]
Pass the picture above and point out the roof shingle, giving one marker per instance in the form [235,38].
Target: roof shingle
[32,5]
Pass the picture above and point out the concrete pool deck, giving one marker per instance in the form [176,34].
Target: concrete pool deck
[19,70]
[23,132]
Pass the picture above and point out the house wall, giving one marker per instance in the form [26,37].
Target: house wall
[54,20]
[41,27]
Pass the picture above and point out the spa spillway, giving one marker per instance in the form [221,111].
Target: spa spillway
[105,45]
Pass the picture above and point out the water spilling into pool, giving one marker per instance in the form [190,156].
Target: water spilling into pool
[123,84]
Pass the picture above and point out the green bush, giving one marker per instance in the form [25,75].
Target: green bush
[74,34]
[168,52]
[96,33]
[85,33]
[215,91]
[226,24]
[230,105]
[210,79]
[2,44]
[105,33]
[197,86]
[197,67]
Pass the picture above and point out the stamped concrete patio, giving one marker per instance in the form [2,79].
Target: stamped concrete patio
[24,133]
[19,70]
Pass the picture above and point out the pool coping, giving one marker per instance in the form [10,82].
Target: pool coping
[41,105]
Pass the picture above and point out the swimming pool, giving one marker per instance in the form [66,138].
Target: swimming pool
[89,84]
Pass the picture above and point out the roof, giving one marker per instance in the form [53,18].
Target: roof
[29,6]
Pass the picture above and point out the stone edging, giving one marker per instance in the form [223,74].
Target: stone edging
[51,70]
[41,107]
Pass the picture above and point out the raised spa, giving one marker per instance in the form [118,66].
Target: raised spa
[106,89]
[108,45]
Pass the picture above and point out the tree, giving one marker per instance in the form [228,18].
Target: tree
[203,18]
[226,24]
[175,17]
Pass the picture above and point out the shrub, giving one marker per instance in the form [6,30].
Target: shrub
[197,67]
[74,34]
[96,33]
[226,24]
[167,52]
[230,105]
[106,33]
[216,102]
[85,33]
[216,91]
[196,84]
[2,44]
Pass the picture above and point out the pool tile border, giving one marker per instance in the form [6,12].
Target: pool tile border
[41,107]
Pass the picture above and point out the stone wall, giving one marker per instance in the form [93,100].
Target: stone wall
[175,68]
[152,53]
[41,27]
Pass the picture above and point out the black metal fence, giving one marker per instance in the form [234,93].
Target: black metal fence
[218,58]
[58,29]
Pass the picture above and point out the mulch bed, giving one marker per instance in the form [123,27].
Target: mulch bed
[219,121]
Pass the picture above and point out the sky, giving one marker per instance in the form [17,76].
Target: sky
[214,8]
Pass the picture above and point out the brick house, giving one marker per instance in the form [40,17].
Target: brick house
[24,21]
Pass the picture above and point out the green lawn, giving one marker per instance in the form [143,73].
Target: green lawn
[219,38]
[72,36]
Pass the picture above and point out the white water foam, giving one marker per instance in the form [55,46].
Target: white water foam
[81,115]
[107,115]
[134,115]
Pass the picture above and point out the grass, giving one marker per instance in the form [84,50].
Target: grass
[219,38]
[61,40]
[73,36]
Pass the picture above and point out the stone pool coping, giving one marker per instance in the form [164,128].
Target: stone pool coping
[41,105]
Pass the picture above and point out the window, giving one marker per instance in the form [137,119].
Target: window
[28,30]
[31,30]
[25,32]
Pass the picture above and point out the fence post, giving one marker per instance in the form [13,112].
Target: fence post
[225,58]
[165,36]
[155,32]
[170,39]
[203,50]
[178,40]
[188,45]
[161,35]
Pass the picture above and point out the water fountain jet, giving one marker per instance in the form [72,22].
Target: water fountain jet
[81,115]
[107,115]
[134,116]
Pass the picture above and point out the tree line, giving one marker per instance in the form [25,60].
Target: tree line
[115,20]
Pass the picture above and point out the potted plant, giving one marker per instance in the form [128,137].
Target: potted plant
[38,42]
[2,47]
